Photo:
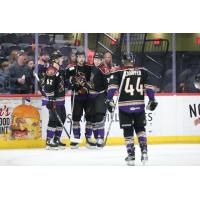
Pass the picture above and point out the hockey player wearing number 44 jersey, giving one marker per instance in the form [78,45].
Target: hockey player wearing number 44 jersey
[131,104]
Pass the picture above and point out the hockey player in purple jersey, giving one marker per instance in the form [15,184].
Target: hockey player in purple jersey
[131,104]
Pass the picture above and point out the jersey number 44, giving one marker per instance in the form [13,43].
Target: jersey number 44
[130,88]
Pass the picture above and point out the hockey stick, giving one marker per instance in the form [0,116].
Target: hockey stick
[72,109]
[57,115]
[150,72]
[117,100]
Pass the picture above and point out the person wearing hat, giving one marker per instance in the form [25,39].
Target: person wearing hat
[20,75]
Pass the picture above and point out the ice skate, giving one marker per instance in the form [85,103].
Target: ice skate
[130,160]
[100,143]
[90,144]
[50,145]
[74,145]
[61,145]
[144,156]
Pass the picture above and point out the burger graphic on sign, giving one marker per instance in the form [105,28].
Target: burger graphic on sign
[25,123]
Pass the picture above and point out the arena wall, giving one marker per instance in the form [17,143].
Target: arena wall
[171,122]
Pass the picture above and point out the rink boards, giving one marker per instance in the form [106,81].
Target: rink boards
[171,122]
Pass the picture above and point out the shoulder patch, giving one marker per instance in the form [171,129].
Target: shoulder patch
[71,68]
[51,71]
[71,65]
[104,70]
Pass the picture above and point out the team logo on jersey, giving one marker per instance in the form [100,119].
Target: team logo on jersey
[111,77]
[134,108]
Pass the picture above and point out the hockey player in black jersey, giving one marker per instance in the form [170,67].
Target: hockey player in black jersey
[97,97]
[131,104]
[55,100]
[79,76]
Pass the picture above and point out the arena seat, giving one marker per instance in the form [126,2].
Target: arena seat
[66,50]
[44,39]
[26,38]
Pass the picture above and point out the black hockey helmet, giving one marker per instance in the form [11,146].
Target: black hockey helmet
[55,55]
[197,81]
[98,55]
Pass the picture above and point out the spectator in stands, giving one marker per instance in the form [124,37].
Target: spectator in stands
[4,76]
[13,57]
[43,62]
[31,66]
[20,75]
[72,59]
[107,60]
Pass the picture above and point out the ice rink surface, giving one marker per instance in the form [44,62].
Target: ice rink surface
[159,155]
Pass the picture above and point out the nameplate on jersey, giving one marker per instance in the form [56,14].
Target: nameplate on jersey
[133,73]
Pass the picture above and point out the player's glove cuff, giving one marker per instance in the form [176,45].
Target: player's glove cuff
[110,105]
[76,87]
[51,105]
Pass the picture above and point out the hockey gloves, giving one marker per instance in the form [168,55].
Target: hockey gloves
[110,105]
[75,87]
[152,105]
[51,105]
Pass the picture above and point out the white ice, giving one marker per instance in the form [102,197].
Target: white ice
[161,155]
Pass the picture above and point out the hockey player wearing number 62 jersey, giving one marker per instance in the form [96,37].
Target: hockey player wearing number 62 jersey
[131,104]
[54,88]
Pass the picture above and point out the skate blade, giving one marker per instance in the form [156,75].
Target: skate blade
[144,162]
[61,148]
[99,148]
[52,148]
[74,147]
[131,163]
[91,147]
